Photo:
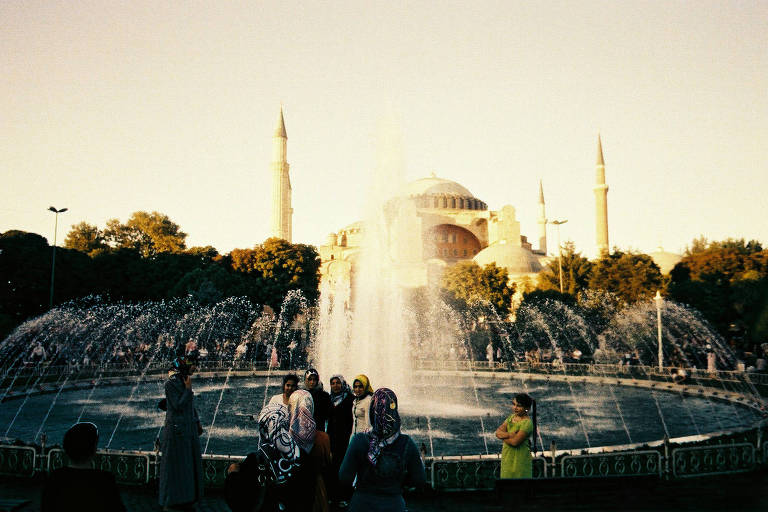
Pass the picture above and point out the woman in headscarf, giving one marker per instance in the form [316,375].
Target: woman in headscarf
[181,467]
[316,445]
[363,391]
[383,460]
[266,480]
[339,430]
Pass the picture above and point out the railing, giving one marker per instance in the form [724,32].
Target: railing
[472,473]
[129,467]
[465,473]
[18,460]
[634,463]
[713,460]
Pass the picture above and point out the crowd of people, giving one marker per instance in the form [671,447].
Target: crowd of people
[316,450]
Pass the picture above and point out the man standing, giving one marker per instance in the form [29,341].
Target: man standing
[321,398]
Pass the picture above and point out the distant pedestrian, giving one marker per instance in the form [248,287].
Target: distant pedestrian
[516,460]
[78,487]
[181,469]
[363,391]
[382,461]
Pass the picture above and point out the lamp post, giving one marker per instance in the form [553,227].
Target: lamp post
[53,261]
[559,251]
[658,299]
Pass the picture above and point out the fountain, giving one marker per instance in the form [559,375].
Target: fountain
[106,363]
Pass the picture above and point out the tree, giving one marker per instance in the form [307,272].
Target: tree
[576,272]
[728,282]
[467,282]
[25,273]
[209,285]
[148,233]
[206,254]
[279,266]
[631,276]
[25,277]
[85,238]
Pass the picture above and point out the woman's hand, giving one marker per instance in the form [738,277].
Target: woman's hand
[501,432]
[188,382]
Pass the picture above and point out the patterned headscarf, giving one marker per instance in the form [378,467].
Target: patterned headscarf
[337,398]
[302,423]
[308,374]
[276,443]
[385,422]
[365,382]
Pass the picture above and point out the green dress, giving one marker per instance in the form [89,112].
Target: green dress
[516,460]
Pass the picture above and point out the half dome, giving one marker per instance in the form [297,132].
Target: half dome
[516,259]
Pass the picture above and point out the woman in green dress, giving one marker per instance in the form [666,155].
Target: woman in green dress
[514,433]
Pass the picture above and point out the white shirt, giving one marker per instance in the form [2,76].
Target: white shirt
[360,420]
[277,399]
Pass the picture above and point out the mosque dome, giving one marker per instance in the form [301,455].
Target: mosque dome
[434,192]
[665,260]
[516,259]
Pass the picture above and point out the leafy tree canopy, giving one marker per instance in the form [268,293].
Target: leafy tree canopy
[631,276]
[576,272]
[280,266]
[148,233]
[85,238]
[468,282]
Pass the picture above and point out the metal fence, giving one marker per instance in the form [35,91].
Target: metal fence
[633,463]
[713,460]
[18,460]
[459,473]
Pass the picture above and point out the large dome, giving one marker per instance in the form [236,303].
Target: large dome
[440,193]
[435,185]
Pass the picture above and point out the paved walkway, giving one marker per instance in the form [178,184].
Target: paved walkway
[740,493]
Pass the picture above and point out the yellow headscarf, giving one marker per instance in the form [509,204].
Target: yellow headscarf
[365,382]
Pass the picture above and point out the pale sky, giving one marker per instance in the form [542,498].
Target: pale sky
[107,108]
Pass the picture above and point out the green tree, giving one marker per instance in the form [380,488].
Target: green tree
[279,266]
[728,282]
[631,276]
[25,273]
[148,233]
[467,282]
[576,272]
[25,277]
[85,238]
[206,254]
[210,284]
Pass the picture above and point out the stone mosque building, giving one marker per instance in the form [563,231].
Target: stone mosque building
[453,224]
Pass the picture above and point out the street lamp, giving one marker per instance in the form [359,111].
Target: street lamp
[53,262]
[559,251]
[659,300]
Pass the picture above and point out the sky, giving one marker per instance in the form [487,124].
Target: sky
[108,107]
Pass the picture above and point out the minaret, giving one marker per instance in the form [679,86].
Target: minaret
[601,202]
[542,221]
[282,212]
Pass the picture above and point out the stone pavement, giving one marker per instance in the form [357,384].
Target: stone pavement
[739,492]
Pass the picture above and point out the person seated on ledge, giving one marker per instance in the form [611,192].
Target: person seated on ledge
[78,487]
[516,461]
